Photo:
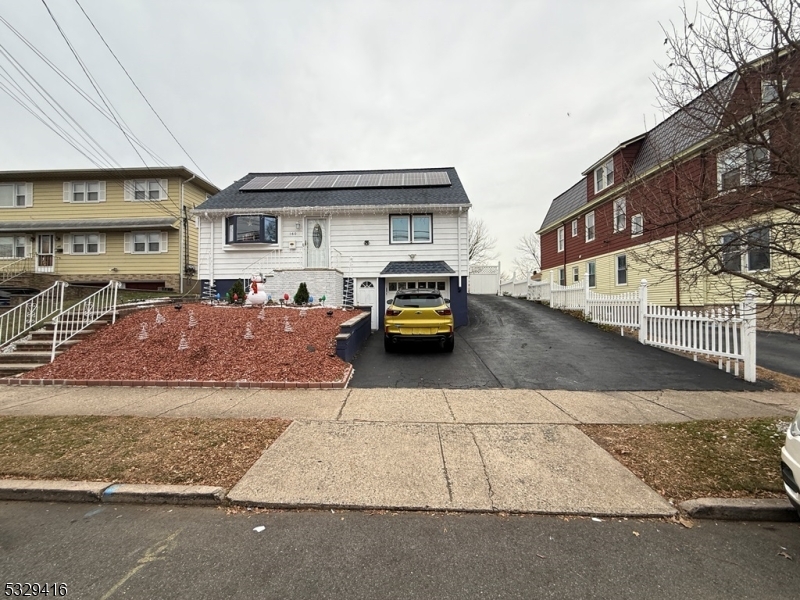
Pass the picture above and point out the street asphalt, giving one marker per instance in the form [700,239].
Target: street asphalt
[516,344]
[779,352]
[125,551]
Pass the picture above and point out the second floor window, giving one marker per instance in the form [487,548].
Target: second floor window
[15,195]
[744,164]
[637,225]
[604,176]
[252,229]
[575,228]
[589,219]
[410,229]
[620,220]
[79,192]
[152,190]
[560,238]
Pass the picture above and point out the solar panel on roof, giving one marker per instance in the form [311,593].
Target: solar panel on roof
[370,180]
[437,178]
[324,181]
[256,183]
[413,179]
[346,181]
[391,179]
[279,183]
[302,181]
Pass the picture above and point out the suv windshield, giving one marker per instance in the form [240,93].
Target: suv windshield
[418,300]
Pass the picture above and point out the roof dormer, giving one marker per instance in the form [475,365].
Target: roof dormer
[613,167]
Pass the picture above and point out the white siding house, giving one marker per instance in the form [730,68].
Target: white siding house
[352,236]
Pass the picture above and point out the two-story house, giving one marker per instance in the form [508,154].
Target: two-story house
[88,226]
[355,237]
[694,204]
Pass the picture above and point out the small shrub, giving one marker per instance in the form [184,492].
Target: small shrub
[301,297]
[236,289]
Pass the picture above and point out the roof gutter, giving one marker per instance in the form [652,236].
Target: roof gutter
[361,208]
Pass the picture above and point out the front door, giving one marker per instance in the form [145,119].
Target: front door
[317,243]
[368,296]
[44,253]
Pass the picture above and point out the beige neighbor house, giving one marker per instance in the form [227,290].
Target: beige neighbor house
[90,225]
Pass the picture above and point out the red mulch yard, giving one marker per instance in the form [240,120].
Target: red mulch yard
[217,349]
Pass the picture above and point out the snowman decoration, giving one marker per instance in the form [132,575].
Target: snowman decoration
[257,295]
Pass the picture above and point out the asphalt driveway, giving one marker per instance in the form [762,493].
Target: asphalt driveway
[779,352]
[513,343]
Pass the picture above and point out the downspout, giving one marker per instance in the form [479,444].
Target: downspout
[564,228]
[183,251]
[210,253]
[677,241]
[458,236]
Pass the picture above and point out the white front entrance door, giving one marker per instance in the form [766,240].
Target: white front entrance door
[317,243]
[44,253]
[367,295]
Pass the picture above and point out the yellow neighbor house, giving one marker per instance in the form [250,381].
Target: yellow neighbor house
[88,226]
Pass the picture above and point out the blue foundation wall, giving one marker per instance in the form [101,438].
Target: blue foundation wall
[458,301]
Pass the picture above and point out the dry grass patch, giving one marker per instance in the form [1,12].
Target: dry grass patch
[735,458]
[134,449]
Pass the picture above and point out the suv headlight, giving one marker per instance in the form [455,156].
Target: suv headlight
[794,427]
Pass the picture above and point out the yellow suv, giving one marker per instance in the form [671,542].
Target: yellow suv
[418,315]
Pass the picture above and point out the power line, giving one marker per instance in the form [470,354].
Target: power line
[139,90]
[80,91]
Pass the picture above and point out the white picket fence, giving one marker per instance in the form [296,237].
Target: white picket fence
[727,334]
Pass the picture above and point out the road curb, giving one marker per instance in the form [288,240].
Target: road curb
[98,491]
[740,509]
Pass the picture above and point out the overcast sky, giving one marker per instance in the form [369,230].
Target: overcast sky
[519,97]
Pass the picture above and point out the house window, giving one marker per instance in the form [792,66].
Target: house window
[560,235]
[575,228]
[562,276]
[13,195]
[758,243]
[637,225]
[769,91]
[744,164]
[392,286]
[576,277]
[86,243]
[12,246]
[146,190]
[251,229]
[590,269]
[413,229]
[440,286]
[731,252]
[143,242]
[622,270]
[604,176]
[620,222]
[589,220]
[84,191]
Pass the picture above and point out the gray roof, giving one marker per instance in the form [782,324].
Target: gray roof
[231,198]
[418,267]
[680,131]
[684,128]
[89,224]
[565,204]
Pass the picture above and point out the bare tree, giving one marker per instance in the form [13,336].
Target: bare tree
[481,244]
[528,260]
[732,209]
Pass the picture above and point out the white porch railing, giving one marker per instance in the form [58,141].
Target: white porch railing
[727,334]
[22,318]
[18,267]
[75,319]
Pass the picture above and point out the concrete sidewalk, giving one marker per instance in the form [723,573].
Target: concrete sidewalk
[469,450]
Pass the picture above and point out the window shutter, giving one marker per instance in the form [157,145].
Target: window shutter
[128,194]
[67,191]
[28,195]
[163,194]
[66,244]
[127,243]
[101,243]
[101,191]
[164,239]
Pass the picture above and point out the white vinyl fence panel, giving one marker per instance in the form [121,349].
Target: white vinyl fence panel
[539,291]
[484,279]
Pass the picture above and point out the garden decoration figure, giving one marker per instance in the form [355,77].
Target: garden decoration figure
[143,333]
[160,319]
[257,295]
[261,314]
[184,343]
[192,319]
[248,332]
